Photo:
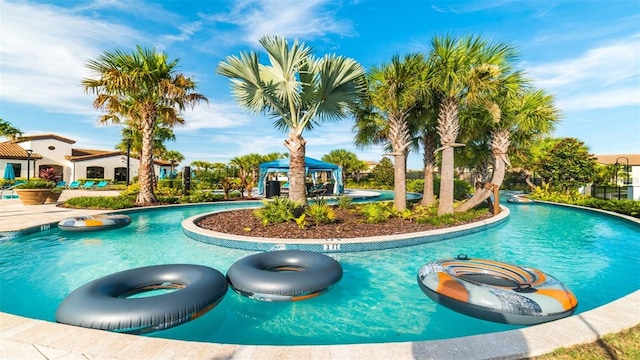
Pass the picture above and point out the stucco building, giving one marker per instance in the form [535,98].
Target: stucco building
[30,154]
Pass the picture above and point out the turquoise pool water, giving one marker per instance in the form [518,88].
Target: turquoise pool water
[378,299]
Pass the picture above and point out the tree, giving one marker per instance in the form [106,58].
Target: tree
[383,172]
[529,157]
[160,136]
[462,72]
[395,93]
[9,131]
[174,157]
[519,118]
[568,166]
[144,89]
[249,167]
[346,159]
[298,90]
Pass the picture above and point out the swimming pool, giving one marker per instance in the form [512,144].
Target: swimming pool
[378,299]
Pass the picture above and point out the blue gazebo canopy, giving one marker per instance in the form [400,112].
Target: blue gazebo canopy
[310,165]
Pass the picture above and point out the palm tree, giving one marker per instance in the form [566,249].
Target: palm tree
[524,117]
[395,95]
[248,169]
[9,131]
[462,72]
[298,90]
[347,160]
[174,157]
[144,89]
[160,136]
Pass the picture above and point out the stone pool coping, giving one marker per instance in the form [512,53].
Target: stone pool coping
[25,338]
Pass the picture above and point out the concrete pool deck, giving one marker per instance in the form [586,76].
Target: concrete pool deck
[25,338]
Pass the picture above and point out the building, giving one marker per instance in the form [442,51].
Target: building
[30,154]
[629,176]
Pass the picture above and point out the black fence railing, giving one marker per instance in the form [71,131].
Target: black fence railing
[609,192]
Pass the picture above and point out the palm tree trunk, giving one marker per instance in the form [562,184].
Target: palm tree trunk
[527,179]
[297,149]
[146,174]
[500,145]
[429,160]
[448,128]
[400,180]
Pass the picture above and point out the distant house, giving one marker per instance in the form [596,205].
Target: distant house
[628,163]
[630,171]
[34,153]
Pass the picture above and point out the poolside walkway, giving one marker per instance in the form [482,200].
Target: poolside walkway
[24,338]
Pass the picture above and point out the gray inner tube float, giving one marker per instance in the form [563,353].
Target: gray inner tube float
[94,222]
[103,303]
[288,275]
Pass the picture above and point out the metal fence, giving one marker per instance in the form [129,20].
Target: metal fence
[609,192]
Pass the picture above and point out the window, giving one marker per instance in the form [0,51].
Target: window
[17,169]
[120,174]
[95,172]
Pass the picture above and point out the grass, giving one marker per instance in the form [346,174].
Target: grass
[624,345]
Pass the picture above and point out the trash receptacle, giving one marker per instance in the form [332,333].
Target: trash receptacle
[272,189]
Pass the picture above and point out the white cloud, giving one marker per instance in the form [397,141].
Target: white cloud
[603,77]
[289,18]
[44,49]
[215,116]
[604,65]
[601,99]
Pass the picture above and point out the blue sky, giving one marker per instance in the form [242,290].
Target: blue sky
[585,53]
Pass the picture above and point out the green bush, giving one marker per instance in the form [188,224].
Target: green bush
[101,202]
[377,212]
[37,184]
[625,207]
[461,188]
[200,196]
[320,212]
[344,202]
[278,210]
[132,189]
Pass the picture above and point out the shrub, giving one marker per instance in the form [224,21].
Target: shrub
[625,207]
[199,196]
[48,174]
[132,189]
[344,202]
[278,210]
[461,188]
[375,212]
[320,212]
[36,184]
[101,202]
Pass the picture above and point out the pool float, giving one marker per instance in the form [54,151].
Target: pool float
[519,199]
[104,304]
[288,275]
[94,222]
[496,291]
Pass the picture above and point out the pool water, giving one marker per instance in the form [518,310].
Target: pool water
[377,300]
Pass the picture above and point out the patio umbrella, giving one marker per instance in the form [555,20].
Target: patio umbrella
[9,174]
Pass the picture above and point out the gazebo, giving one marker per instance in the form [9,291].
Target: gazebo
[311,166]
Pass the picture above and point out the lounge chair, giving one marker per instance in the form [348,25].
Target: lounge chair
[61,184]
[73,185]
[88,185]
[102,184]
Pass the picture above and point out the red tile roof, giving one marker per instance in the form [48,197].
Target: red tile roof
[632,159]
[43,137]
[11,150]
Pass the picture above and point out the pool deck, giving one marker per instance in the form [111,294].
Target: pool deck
[25,338]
